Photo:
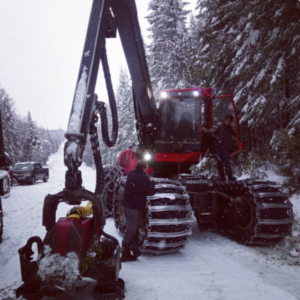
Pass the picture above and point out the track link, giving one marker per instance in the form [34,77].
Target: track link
[169,218]
[168,221]
[261,213]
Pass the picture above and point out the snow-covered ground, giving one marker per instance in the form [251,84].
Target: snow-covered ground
[211,266]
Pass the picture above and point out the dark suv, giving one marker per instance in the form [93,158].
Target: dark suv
[30,172]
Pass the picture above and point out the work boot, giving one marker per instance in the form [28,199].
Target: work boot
[126,255]
[221,173]
[229,174]
[135,249]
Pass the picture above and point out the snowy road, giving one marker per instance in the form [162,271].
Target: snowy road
[211,266]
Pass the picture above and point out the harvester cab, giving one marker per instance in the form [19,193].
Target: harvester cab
[182,114]
[179,138]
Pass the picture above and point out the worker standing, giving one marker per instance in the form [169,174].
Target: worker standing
[223,139]
[138,186]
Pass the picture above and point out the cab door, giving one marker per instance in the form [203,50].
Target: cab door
[221,107]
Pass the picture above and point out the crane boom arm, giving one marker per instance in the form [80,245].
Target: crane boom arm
[128,27]
[106,17]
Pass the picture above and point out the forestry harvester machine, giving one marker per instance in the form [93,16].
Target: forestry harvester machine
[170,137]
[5,182]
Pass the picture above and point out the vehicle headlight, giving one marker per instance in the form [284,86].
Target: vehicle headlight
[147,156]
[28,174]
[164,95]
[196,93]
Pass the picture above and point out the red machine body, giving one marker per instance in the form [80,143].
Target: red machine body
[186,145]
[70,235]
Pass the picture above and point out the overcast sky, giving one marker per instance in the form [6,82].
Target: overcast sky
[41,43]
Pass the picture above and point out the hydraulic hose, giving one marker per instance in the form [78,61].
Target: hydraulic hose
[109,142]
[97,156]
[110,237]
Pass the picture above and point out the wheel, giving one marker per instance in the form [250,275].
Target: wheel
[4,186]
[258,212]
[243,219]
[46,177]
[237,219]
[32,182]
[242,213]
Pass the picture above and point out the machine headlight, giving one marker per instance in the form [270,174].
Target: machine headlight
[164,95]
[147,156]
[196,93]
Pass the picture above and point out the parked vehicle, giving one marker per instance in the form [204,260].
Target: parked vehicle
[10,172]
[30,172]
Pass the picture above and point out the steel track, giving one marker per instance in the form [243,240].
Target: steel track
[270,211]
[168,219]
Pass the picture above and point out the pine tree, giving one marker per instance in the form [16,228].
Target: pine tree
[127,128]
[253,54]
[193,45]
[219,26]
[31,140]
[287,147]
[168,53]
[8,123]
[251,50]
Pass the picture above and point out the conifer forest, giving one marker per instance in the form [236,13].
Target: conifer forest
[23,139]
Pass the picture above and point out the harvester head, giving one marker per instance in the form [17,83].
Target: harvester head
[72,248]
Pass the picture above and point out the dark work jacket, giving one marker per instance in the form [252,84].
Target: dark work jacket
[137,188]
[223,136]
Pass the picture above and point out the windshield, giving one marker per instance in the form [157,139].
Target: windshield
[23,167]
[179,119]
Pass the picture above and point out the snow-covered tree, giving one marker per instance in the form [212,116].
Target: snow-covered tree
[168,51]
[8,123]
[251,49]
[23,139]
[287,147]
[127,127]
[32,140]
[193,46]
